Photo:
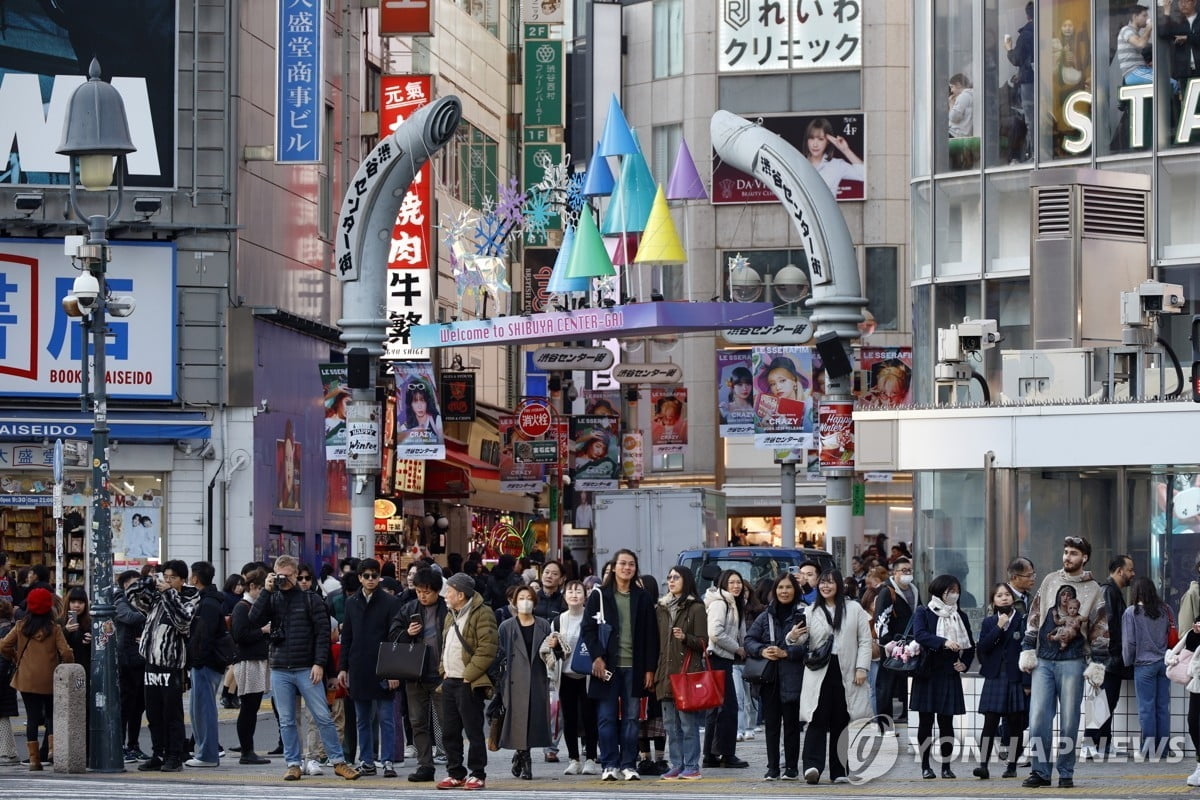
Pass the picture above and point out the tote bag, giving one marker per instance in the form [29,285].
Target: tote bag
[581,659]
[401,661]
[896,663]
[1180,671]
[759,671]
[698,691]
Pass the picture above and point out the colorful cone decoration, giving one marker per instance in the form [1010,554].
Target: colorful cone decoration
[600,180]
[588,258]
[559,283]
[629,207]
[660,243]
[617,139]
[685,183]
[622,248]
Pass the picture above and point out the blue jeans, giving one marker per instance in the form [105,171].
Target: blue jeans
[747,705]
[203,708]
[618,745]
[683,737]
[286,685]
[366,714]
[1056,685]
[1153,691]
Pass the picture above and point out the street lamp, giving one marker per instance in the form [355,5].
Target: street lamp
[96,138]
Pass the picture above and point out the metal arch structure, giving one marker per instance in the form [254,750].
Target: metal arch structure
[837,300]
[368,215]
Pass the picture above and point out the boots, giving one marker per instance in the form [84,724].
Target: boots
[50,748]
[35,757]
[526,766]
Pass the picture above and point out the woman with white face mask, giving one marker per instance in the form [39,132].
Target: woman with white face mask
[947,647]
[525,686]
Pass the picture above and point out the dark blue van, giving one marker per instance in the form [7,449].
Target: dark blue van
[754,563]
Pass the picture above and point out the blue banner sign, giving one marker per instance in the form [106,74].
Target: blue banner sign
[299,106]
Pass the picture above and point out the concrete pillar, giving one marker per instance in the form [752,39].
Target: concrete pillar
[70,718]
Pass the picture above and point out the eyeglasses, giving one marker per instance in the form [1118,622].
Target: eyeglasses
[1025,575]
[305,577]
[369,576]
[674,578]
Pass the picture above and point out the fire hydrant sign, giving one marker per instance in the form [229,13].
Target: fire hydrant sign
[534,420]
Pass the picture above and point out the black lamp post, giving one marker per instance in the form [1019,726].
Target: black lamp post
[96,137]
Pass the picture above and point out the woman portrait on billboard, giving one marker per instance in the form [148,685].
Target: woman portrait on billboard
[287,469]
[420,411]
[782,394]
[738,403]
[592,458]
[820,144]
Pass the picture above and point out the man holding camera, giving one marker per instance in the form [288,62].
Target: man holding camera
[369,613]
[299,656]
[169,605]
[422,620]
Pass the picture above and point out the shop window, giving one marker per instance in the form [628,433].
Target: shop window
[956,136]
[1008,304]
[1010,76]
[950,533]
[922,227]
[1065,78]
[957,229]
[1007,222]
[665,139]
[668,39]
[882,286]
[923,88]
[1179,193]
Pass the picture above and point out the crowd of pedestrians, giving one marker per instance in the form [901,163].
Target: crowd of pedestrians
[534,655]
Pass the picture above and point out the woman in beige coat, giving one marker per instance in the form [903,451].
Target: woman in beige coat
[837,692]
[36,646]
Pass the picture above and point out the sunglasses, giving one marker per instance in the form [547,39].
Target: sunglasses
[305,577]
[1073,540]
[369,576]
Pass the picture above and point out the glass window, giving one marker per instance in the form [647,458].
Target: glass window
[668,38]
[665,142]
[924,353]
[325,209]
[956,140]
[1007,222]
[922,87]
[922,228]
[882,289]
[952,303]
[477,166]
[1010,76]
[1179,196]
[1125,89]
[957,228]
[1008,304]
[950,533]
[1177,48]
[1065,78]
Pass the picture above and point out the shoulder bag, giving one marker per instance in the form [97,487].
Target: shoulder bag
[698,691]
[1180,671]
[818,658]
[898,664]
[581,659]
[401,661]
[761,671]
[1172,628]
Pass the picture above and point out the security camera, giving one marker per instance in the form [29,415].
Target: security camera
[791,284]
[976,335]
[28,202]
[1161,298]
[85,293]
[147,206]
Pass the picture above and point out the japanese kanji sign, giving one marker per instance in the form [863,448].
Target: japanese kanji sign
[544,76]
[777,35]
[409,277]
[41,347]
[299,97]
[406,18]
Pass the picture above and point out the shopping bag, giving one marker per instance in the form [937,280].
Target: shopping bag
[581,659]
[698,691]
[1095,706]
[401,661]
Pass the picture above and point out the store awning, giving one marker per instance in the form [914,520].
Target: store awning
[145,426]
[477,468]
[446,481]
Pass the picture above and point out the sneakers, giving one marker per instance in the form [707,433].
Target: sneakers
[410,751]
[690,776]
[630,775]
[590,767]
[253,758]
[741,737]
[671,774]
[610,774]
[195,762]
[293,773]
[311,767]
[646,767]
[130,758]
[772,774]
[791,774]
[171,765]
[1088,751]
[841,779]
[748,736]
[344,770]
[152,764]
[474,783]
[812,775]
[573,768]
[1194,778]
[1035,781]
[451,783]
[367,768]
[389,771]
[439,757]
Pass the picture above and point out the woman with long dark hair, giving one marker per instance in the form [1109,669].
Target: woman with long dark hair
[682,631]
[780,697]
[1006,688]
[420,411]
[944,633]
[726,608]
[36,645]
[1144,629]
[836,692]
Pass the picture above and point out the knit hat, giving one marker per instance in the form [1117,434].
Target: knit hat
[39,601]
[462,582]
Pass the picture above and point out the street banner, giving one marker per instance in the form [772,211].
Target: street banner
[886,377]
[602,402]
[597,452]
[668,427]
[458,396]
[783,416]
[419,431]
[735,392]
[515,477]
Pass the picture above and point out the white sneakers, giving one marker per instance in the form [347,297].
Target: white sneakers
[610,774]
[573,768]
[630,774]
[1194,778]
[590,767]
[311,767]
[1088,751]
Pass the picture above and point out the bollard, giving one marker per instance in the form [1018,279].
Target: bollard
[70,718]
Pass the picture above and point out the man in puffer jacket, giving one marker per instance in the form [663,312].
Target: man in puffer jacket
[169,605]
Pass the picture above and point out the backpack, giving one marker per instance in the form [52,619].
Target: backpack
[224,651]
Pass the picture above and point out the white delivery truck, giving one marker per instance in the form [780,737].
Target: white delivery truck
[657,524]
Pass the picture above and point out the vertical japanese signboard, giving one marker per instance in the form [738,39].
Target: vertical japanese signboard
[406,18]
[543,78]
[538,159]
[409,273]
[299,100]
[788,35]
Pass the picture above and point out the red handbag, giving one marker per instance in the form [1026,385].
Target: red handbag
[698,691]
[1172,630]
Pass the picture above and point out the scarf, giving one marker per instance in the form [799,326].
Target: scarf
[950,625]
[672,603]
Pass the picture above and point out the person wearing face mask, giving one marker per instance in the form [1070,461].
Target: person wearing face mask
[1005,694]
[944,633]
[578,710]
[894,605]
[525,685]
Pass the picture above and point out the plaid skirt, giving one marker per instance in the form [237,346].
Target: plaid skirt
[1000,696]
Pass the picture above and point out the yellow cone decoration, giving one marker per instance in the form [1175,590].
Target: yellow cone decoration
[660,242]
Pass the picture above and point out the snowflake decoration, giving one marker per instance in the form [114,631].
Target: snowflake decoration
[575,197]
[538,213]
[456,229]
[491,235]
[489,206]
[508,208]
[555,180]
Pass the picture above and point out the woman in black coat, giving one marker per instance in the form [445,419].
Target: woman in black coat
[1005,692]
[947,646]
[780,698]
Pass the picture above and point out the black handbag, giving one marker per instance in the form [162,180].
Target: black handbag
[401,661]
[897,664]
[818,658]
[759,671]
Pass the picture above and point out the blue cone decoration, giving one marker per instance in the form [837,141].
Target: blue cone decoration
[599,181]
[559,282]
[617,139]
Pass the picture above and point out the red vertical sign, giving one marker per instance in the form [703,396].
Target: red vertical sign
[406,17]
